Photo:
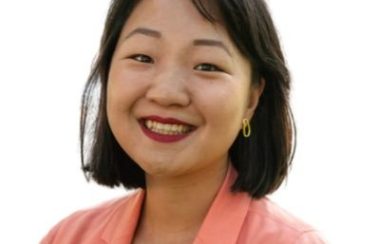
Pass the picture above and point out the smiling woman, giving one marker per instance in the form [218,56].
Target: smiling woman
[193,113]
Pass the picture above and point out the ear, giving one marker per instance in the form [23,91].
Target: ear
[254,95]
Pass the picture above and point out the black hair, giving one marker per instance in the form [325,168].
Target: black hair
[262,161]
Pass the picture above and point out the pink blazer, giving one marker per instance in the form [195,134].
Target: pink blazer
[232,218]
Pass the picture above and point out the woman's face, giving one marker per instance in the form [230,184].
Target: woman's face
[178,89]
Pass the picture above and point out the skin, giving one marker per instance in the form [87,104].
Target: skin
[171,75]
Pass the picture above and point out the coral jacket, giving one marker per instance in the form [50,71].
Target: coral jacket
[232,218]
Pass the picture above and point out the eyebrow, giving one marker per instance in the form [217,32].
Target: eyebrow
[213,43]
[144,31]
[197,42]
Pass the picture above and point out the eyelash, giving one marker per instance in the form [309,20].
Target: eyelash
[141,57]
[210,67]
[146,59]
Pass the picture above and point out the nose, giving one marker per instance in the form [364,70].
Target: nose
[168,88]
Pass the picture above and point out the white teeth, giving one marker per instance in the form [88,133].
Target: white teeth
[166,129]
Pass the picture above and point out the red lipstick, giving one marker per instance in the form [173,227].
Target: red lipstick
[162,137]
[166,120]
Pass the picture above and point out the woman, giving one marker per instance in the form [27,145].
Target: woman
[193,112]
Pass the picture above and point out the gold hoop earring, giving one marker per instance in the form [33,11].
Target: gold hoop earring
[246,128]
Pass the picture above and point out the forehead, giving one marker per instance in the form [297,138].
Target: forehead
[178,18]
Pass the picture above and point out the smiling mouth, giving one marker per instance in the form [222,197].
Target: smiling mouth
[167,129]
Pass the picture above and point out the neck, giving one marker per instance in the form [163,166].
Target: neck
[177,206]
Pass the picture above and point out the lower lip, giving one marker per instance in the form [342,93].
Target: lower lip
[163,138]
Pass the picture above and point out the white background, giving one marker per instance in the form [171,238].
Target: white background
[332,48]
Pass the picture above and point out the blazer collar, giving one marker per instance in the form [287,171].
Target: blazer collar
[121,227]
[226,216]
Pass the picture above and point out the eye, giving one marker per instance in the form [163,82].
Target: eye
[207,67]
[141,58]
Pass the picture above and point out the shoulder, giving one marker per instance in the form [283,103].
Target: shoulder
[86,224]
[266,222]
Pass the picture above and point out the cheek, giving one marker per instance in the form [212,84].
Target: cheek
[223,106]
[124,88]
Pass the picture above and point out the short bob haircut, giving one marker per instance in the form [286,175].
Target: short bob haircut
[262,160]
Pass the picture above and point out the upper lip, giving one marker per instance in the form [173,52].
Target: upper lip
[166,120]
